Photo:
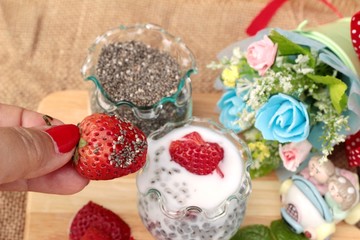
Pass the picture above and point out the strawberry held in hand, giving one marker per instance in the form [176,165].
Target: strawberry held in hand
[196,155]
[109,147]
[94,222]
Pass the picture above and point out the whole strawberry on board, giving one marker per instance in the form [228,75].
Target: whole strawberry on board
[109,147]
[355,32]
[352,144]
[93,233]
[94,222]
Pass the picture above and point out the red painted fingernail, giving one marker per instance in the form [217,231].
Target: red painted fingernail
[65,136]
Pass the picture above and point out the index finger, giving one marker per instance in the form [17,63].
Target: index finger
[17,116]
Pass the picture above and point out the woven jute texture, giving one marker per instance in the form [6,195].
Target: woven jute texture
[43,45]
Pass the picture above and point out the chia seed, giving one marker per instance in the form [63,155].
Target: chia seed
[137,73]
[193,225]
[142,75]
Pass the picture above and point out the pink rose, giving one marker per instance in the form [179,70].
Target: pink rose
[292,154]
[261,55]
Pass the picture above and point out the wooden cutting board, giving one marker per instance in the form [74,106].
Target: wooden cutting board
[49,216]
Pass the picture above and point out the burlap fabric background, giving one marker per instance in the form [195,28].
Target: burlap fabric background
[43,44]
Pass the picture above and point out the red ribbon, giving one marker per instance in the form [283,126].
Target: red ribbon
[265,15]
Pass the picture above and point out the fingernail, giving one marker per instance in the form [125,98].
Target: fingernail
[65,136]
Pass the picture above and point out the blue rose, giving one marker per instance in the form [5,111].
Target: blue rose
[284,119]
[231,106]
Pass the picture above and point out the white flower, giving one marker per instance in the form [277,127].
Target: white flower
[243,85]
[237,53]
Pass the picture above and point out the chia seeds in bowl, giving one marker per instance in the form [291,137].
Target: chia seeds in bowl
[142,73]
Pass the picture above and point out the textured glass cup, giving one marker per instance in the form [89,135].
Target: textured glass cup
[174,108]
[176,204]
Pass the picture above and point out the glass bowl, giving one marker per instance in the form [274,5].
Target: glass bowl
[174,203]
[149,116]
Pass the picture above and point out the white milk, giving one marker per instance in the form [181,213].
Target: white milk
[205,191]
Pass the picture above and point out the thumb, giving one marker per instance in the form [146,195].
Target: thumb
[30,152]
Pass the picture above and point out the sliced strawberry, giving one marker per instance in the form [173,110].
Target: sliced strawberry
[93,233]
[98,221]
[109,147]
[194,136]
[352,144]
[196,155]
[355,32]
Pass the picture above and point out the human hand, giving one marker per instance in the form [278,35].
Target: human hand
[37,157]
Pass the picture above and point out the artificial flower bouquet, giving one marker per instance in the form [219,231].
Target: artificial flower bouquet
[289,95]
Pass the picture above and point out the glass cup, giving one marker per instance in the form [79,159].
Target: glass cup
[174,203]
[148,117]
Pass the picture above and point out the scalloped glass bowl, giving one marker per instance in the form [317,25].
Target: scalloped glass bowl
[169,213]
[174,108]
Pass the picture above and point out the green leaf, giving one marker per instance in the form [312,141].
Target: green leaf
[267,165]
[337,90]
[281,231]
[263,170]
[287,47]
[253,232]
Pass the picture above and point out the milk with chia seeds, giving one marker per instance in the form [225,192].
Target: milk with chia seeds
[180,189]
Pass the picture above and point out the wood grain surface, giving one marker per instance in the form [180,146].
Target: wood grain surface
[49,216]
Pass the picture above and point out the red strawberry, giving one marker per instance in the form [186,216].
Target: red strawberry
[94,220]
[355,32]
[93,233]
[109,147]
[352,144]
[196,155]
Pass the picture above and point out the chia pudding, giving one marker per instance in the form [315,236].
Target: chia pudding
[143,83]
[177,204]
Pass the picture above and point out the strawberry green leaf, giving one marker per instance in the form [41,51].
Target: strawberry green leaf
[281,231]
[287,47]
[82,143]
[253,232]
[337,90]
